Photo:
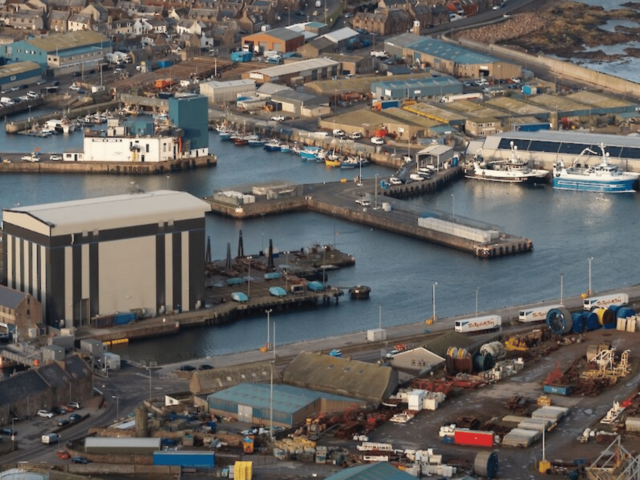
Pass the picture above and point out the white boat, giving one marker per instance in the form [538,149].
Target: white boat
[285,148]
[601,177]
[513,170]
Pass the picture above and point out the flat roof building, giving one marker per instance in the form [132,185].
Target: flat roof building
[99,256]
[296,73]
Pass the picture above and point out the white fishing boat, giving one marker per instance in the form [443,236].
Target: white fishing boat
[601,177]
[512,170]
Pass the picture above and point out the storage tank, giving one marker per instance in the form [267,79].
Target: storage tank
[559,321]
[605,317]
[486,464]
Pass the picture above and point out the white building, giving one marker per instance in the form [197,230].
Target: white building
[95,257]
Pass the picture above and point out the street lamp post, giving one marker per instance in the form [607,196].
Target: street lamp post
[268,312]
[375,195]
[262,244]
[477,292]
[453,206]
[561,288]
[117,406]
[590,259]
[433,300]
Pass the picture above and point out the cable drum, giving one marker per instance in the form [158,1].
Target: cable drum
[559,321]
[579,322]
[605,316]
[625,312]
[486,464]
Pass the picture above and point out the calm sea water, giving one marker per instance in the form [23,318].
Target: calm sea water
[567,228]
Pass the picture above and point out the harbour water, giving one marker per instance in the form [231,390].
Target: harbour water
[566,228]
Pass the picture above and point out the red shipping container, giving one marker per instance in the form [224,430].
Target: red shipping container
[473,437]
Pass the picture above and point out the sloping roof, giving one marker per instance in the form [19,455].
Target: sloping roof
[21,386]
[269,88]
[296,67]
[341,376]
[10,298]
[54,375]
[285,34]
[372,471]
[77,367]
[286,398]
[341,34]
[207,381]
[108,212]
[52,43]
[440,49]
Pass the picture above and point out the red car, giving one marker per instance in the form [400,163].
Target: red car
[63,454]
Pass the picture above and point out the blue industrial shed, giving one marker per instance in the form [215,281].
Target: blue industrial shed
[250,402]
[190,112]
[372,471]
[185,458]
[418,89]
[14,74]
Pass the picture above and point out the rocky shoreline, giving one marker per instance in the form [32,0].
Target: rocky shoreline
[565,29]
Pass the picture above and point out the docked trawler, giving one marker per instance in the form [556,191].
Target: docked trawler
[602,177]
[512,170]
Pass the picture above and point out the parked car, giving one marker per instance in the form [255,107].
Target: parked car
[205,367]
[75,417]
[73,86]
[377,141]
[187,368]
[45,413]
[356,136]
[24,86]
[58,410]
[13,89]
[395,181]
[55,83]
[7,431]
[62,422]
[66,408]
[56,158]
[82,460]
[339,133]
[63,454]
[364,203]
[74,405]
[41,82]
[32,94]
[278,118]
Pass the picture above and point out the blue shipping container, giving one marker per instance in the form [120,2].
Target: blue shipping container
[558,389]
[124,318]
[182,458]
[241,56]
[164,63]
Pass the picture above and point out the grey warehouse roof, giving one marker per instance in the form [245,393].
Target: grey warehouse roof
[115,442]
[373,471]
[286,399]
[296,67]
[104,213]
[283,34]
[440,49]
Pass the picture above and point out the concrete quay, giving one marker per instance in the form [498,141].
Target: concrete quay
[15,164]
[338,199]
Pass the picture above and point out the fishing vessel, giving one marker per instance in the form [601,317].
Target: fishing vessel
[285,148]
[512,170]
[601,177]
[310,153]
[273,145]
[255,141]
[333,159]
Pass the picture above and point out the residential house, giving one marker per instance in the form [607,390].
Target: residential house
[19,311]
[226,33]
[80,22]
[99,13]
[141,27]
[25,20]
[264,9]
[158,25]
[424,14]
[58,21]
[251,22]
[150,11]
[122,26]
[470,7]
[201,15]
[72,6]
[191,27]
[400,21]
[377,22]
[130,8]
[440,14]
[394,4]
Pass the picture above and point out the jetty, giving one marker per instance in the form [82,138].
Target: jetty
[366,202]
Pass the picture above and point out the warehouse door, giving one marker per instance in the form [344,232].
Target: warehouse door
[245,413]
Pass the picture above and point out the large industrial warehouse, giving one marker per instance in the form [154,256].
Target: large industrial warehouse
[99,256]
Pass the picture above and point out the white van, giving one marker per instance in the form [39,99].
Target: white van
[50,438]
[318,3]
[535,314]
[6,101]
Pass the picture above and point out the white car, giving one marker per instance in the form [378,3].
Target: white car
[74,87]
[30,158]
[32,94]
[339,133]
[377,141]
[55,158]
[356,136]
[45,413]
[41,82]
[364,203]
[395,181]
[278,118]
